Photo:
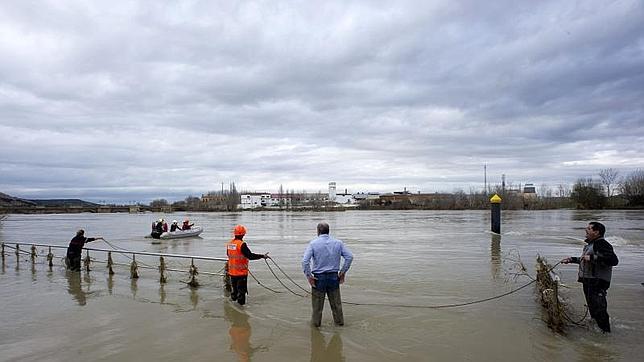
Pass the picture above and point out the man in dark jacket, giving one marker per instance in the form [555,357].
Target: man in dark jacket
[595,270]
[75,249]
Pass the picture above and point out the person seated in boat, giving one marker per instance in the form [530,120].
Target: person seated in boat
[158,229]
[187,225]
[165,225]
[175,226]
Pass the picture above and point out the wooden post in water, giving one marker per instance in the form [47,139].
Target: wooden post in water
[87,261]
[495,206]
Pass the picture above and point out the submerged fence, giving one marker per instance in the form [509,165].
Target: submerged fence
[130,254]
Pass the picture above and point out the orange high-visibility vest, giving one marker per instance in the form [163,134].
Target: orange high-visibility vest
[237,262]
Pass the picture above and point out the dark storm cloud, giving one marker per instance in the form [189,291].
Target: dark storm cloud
[134,100]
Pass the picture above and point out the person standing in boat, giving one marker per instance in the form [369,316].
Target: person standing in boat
[238,256]
[75,249]
[174,226]
[595,270]
[327,275]
[187,225]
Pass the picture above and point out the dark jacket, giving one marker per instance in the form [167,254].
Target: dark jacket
[75,247]
[600,267]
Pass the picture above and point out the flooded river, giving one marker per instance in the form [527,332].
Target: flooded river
[420,258]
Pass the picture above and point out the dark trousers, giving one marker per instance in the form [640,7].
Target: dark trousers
[596,301]
[239,288]
[73,262]
[327,284]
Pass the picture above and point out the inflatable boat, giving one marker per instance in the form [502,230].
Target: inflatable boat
[193,231]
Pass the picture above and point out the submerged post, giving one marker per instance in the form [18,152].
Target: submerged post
[162,279]
[193,275]
[50,258]
[2,253]
[134,268]
[109,263]
[495,206]
[33,254]
[87,261]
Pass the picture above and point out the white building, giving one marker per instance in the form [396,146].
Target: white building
[257,200]
[332,193]
[340,198]
[252,201]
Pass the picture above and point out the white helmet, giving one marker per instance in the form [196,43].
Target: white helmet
[174,221]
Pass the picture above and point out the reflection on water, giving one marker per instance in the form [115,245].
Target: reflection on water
[162,294]
[133,287]
[194,297]
[110,284]
[495,256]
[239,332]
[323,352]
[451,258]
[74,287]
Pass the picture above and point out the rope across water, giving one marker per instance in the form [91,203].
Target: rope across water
[393,305]
[439,306]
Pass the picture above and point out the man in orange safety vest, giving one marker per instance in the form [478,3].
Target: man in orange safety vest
[238,256]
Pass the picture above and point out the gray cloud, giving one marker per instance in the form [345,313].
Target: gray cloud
[139,100]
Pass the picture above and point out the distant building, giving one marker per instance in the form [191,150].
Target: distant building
[332,191]
[529,191]
[340,198]
[255,200]
[265,200]
[362,196]
[419,199]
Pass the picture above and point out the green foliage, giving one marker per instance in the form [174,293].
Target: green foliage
[588,194]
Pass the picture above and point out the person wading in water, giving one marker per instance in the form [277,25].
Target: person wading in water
[238,256]
[75,249]
[595,270]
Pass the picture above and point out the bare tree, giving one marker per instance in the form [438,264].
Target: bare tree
[608,176]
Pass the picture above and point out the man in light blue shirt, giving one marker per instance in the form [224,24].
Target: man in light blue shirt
[326,276]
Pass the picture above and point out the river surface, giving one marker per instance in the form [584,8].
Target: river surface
[421,258]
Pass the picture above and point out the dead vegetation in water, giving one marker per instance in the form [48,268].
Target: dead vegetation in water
[554,308]
[556,311]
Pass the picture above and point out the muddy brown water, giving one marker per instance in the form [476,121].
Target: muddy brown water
[420,258]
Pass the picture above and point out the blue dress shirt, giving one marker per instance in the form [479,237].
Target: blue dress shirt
[326,252]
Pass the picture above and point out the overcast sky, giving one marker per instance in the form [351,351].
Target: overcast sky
[131,101]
